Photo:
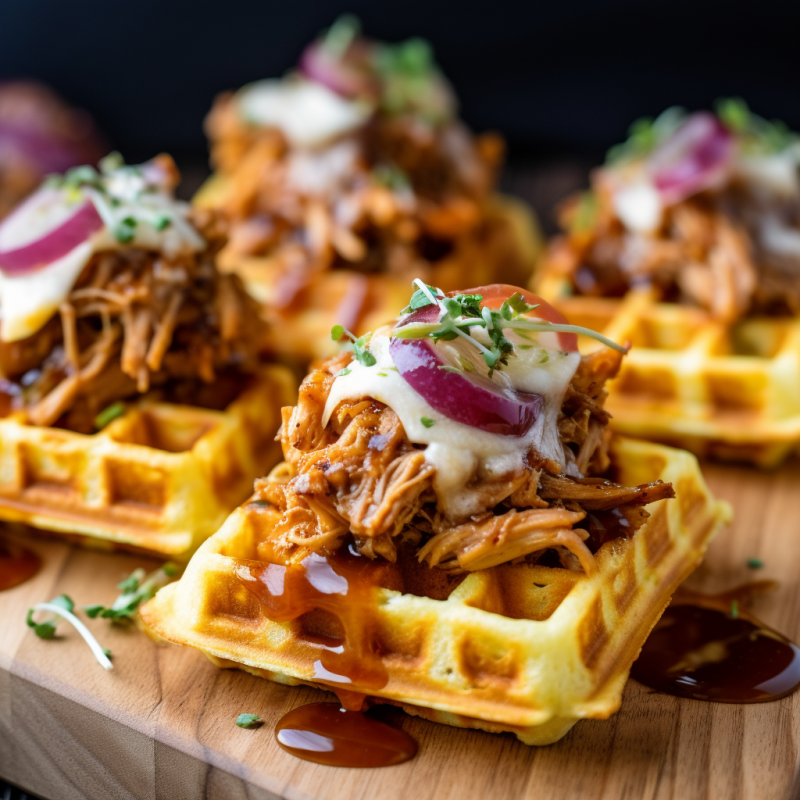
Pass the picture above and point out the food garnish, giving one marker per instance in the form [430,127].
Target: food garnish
[362,355]
[249,721]
[460,314]
[62,607]
[755,563]
[136,589]
[109,414]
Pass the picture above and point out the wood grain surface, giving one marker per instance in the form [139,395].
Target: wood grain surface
[161,725]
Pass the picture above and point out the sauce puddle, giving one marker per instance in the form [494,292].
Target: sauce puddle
[342,587]
[708,647]
[17,564]
[327,734]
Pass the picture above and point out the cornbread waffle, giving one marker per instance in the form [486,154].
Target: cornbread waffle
[727,391]
[363,301]
[160,478]
[520,648]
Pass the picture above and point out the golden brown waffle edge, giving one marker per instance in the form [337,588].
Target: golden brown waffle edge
[730,392]
[160,479]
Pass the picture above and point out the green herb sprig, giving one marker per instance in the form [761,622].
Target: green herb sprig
[460,314]
[108,415]
[136,589]
[645,134]
[248,721]
[363,356]
[756,134]
[62,607]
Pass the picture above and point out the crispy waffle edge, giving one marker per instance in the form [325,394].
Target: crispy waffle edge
[160,479]
[729,392]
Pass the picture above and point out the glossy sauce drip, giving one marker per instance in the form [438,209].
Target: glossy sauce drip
[17,564]
[327,734]
[710,648]
[343,586]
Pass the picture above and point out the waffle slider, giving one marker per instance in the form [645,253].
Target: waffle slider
[39,134]
[688,245]
[135,409]
[453,530]
[349,177]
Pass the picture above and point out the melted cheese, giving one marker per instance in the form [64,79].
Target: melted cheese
[639,206]
[307,113]
[459,452]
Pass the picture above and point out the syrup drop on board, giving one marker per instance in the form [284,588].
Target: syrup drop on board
[327,734]
[708,647]
[17,564]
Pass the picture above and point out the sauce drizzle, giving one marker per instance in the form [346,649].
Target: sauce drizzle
[327,734]
[342,586]
[17,564]
[708,647]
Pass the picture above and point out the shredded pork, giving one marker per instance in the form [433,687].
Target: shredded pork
[733,250]
[397,196]
[361,476]
[136,321]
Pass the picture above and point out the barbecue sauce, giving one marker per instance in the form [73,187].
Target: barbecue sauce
[17,564]
[708,647]
[343,586]
[327,734]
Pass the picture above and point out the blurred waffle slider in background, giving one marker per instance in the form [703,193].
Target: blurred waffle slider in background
[688,246]
[454,530]
[349,177]
[39,134]
[135,408]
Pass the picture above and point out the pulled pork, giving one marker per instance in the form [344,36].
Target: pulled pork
[397,196]
[134,321]
[361,475]
[733,251]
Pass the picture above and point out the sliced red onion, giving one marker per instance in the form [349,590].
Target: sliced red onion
[339,74]
[54,244]
[694,158]
[475,400]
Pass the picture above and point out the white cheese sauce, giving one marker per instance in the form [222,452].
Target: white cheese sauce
[307,113]
[460,452]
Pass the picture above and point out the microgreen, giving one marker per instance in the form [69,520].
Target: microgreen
[427,422]
[391,177]
[47,628]
[340,35]
[363,356]
[248,721]
[645,134]
[61,608]
[755,563]
[585,214]
[755,134]
[109,414]
[460,314]
[137,588]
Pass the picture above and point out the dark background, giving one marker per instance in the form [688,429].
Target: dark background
[555,77]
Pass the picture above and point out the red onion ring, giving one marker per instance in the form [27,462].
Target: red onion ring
[55,244]
[694,158]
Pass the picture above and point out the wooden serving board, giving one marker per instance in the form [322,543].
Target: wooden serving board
[161,725]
